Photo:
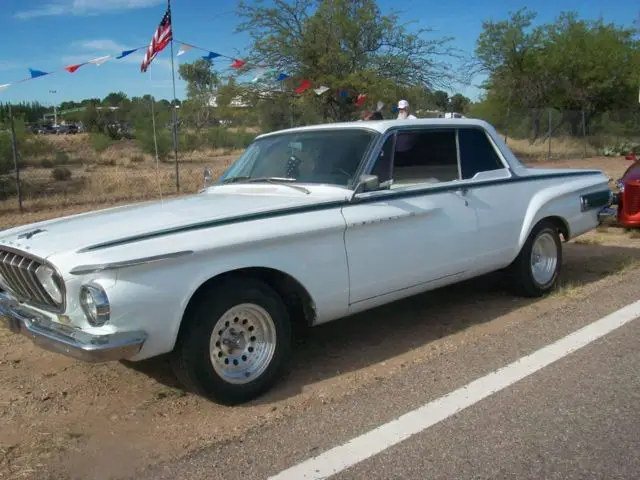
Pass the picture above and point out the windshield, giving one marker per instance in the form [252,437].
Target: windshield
[320,156]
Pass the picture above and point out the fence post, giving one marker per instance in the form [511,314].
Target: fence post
[16,165]
[584,133]
[506,128]
[549,135]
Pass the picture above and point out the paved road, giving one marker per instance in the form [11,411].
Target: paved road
[575,418]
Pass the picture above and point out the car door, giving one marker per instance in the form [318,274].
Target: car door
[500,205]
[419,230]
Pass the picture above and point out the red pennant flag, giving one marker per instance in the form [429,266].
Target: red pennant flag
[73,68]
[304,85]
[237,63]
[361,99]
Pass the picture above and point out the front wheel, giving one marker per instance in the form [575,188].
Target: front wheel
[535,270]
[234,341]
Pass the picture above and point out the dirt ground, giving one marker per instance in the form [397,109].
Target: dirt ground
[65,419]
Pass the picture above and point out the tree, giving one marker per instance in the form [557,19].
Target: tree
[348,45]
[202,84]
[570,64]
[460,103]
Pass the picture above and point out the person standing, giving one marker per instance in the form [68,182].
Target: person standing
[404,111]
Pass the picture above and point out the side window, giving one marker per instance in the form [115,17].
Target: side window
[382,167]
[476,153]
[425,156]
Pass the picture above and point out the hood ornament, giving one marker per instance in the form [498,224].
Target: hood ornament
[30,234]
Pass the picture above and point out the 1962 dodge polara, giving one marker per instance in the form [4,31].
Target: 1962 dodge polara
[309,225]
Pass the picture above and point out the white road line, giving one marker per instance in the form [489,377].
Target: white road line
[375,441]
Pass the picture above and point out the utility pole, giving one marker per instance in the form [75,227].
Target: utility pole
[55,109]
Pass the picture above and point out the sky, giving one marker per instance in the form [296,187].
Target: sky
[49,34]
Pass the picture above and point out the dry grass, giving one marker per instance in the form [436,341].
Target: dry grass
[561,148]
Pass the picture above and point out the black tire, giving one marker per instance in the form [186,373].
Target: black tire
[519,273]
[191,358]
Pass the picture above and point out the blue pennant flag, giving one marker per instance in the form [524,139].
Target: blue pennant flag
[124,53]
[37,73]
[281,77]
[211,56]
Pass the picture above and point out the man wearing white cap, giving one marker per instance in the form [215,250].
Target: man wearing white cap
[403,111]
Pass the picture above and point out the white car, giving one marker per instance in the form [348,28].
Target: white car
[309,225]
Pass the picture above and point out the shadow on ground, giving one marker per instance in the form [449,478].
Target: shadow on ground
[380,334]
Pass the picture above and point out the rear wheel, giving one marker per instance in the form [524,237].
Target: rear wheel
[535,271]
[234,342]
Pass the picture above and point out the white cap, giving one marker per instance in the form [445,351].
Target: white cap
[403,104]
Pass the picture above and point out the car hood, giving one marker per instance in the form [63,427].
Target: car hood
[76,232]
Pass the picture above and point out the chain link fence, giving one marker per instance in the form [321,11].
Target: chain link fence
[69,172]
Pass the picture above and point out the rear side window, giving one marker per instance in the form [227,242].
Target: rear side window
[476,153]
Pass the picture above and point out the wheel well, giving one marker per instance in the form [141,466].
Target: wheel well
[560,224]
[295,297]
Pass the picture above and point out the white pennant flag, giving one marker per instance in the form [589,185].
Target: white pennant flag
[321,90]
[100,60]
[259,75]
[379,105]
[4,87]
[183,49]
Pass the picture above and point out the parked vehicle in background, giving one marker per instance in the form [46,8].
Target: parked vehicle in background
[309,225]
[628,196]
[45,129]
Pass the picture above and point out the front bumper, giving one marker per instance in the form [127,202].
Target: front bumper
[66,340]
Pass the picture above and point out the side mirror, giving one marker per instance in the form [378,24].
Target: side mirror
[208,176]
[367,183]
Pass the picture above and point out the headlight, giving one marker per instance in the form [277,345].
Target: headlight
[46,277]
[95,304]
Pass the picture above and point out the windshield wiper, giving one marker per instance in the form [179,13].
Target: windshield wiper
[275,180]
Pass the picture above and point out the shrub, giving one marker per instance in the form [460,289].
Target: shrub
[46,163]
[137,158]
[61,158]
[61,173]
[100,142]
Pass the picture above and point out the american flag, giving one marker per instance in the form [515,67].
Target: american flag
[161,38]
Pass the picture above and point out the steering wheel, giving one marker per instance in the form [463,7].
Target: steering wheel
[293,167]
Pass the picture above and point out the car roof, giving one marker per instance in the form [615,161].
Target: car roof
[382,126]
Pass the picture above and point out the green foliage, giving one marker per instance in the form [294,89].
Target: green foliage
[61,174]
[62,158]
[570,65]
[100,142]
[344,44]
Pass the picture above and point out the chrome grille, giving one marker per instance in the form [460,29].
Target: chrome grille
[19,274]
[631,200]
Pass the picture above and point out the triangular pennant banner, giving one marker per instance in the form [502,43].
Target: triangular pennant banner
[211,56]
[321,90]
[73,68]
[281,77]
[37,73]
[4,87]
[304,85]
[100,60]
[124,53]
[183,49]
[360,99]
[237,63]
[259,74]
[344,93]
[379,106]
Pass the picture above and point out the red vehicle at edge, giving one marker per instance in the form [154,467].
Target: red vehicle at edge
[628,198]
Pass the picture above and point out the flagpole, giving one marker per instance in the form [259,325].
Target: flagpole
[174,109]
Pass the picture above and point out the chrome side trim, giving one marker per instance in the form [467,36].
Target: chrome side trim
[100,267]
[66,340]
